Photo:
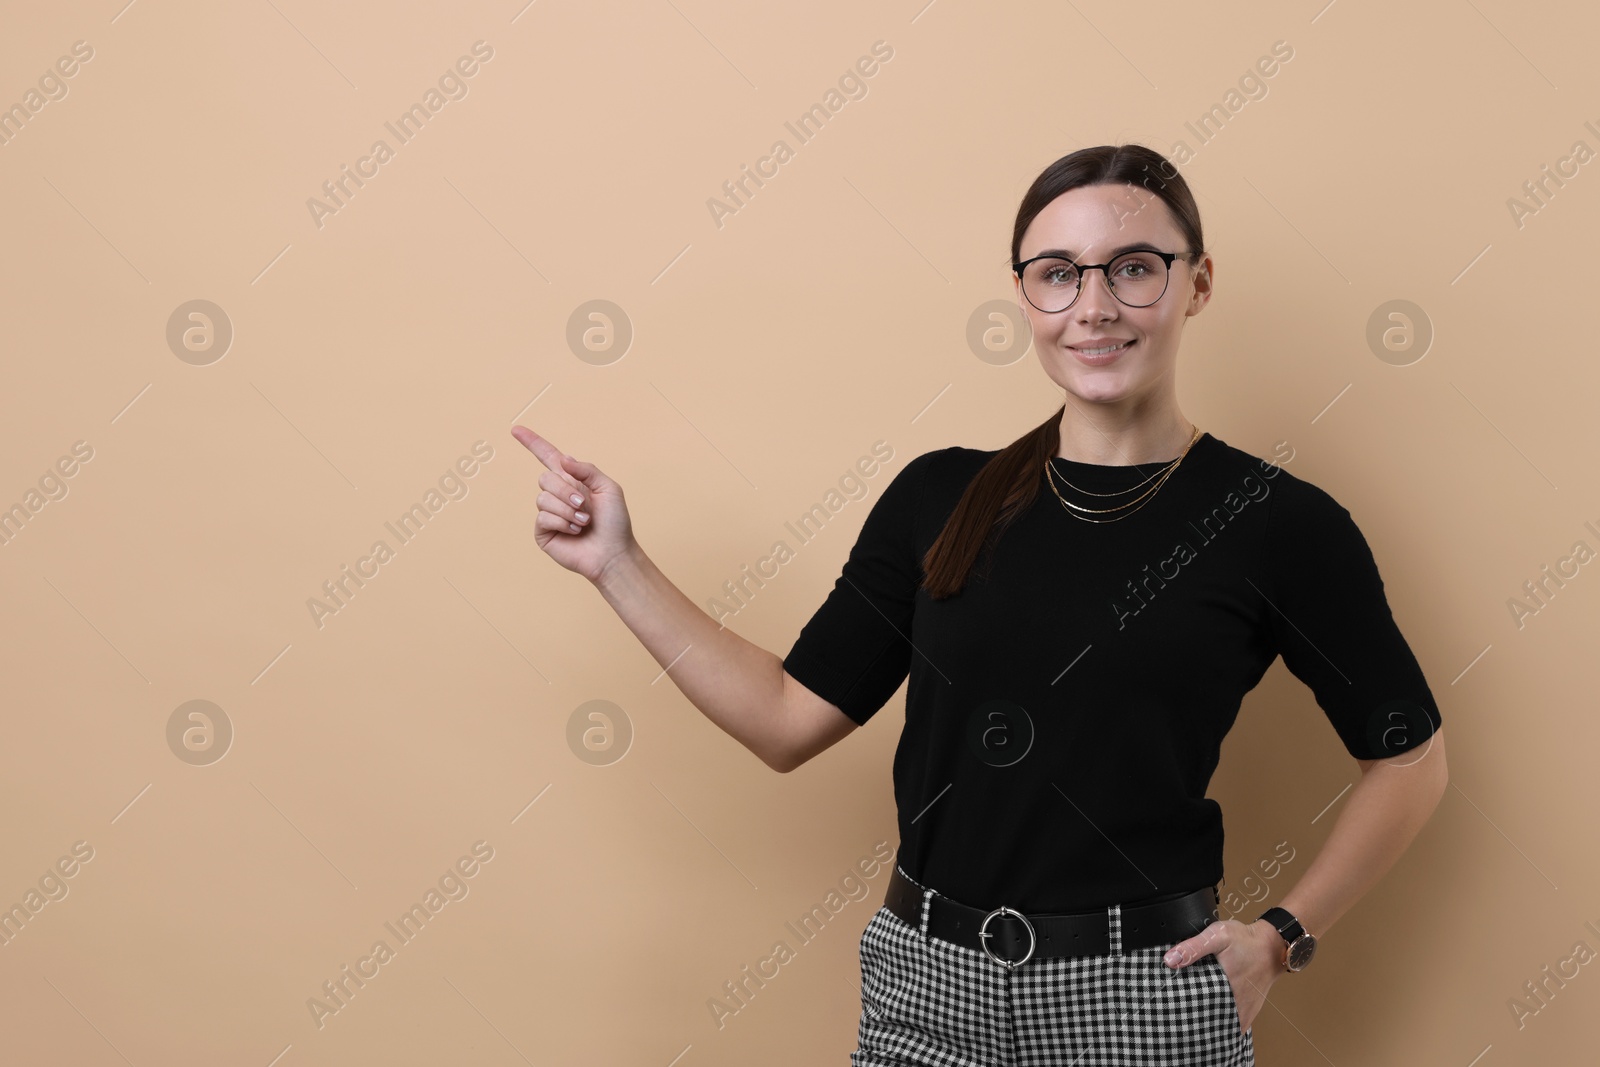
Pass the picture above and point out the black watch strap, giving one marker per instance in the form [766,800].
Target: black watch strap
[1287,925]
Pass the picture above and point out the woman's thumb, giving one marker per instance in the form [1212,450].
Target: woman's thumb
[587,473]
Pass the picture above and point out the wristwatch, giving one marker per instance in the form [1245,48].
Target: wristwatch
[1301,944]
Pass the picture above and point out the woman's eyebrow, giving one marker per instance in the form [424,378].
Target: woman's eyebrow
[1138,246]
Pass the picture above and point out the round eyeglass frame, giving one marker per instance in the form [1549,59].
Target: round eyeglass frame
[1105,270]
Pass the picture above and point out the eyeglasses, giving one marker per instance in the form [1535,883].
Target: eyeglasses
[1137,279]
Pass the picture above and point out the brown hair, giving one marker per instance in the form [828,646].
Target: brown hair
[1008,484]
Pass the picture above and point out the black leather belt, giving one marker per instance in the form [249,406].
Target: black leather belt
[1012,938]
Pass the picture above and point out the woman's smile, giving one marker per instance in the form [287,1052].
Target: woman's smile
[1098,355]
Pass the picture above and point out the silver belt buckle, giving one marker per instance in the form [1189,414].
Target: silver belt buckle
[984,935]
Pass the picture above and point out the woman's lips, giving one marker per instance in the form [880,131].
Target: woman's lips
[1104,358]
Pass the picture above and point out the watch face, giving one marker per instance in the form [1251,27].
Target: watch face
[1301,951]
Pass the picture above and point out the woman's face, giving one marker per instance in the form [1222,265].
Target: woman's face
[1092,224]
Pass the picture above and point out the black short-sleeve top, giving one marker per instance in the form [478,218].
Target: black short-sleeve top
[1065,710]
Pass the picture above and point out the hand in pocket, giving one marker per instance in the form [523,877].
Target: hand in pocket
[1251,959]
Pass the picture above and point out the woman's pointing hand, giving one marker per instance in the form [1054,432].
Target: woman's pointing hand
[583,520]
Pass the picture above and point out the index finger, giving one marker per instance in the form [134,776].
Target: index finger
[541,447]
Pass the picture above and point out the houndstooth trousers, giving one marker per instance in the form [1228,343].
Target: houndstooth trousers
[927,1001]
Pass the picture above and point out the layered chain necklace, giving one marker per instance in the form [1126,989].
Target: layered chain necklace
[1137,502]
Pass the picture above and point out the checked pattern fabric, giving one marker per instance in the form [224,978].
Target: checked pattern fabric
[929,1002]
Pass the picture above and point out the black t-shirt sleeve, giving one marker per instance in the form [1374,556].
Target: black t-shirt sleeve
[1333,626]
[856,649]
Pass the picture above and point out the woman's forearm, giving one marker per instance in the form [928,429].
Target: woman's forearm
[737,684]
[1382,815]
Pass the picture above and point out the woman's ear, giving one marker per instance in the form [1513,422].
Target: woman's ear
[1204,283]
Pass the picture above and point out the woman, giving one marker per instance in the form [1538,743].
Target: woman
[1080,615]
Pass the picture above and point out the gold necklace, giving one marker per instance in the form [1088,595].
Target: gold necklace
[1141,499]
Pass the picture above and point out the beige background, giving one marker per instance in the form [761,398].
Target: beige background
[431,311]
